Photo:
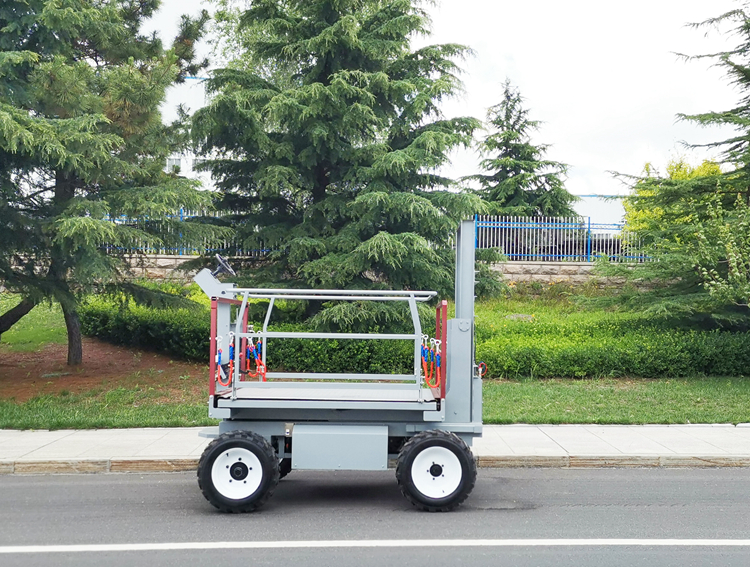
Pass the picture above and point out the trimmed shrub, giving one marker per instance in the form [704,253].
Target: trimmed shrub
[515,340]
[185,333]
[179,332]
[561,341]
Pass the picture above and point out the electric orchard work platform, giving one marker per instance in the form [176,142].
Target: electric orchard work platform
[276,422]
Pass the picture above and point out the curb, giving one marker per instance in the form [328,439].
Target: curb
[83,466]
[614,461]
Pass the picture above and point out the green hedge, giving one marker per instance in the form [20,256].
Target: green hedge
[558,341]
[185,333]
[561,340]
[653,353]
[179,332]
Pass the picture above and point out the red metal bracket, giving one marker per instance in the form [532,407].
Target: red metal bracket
[441,333]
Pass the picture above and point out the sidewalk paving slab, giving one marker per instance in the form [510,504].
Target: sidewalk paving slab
[579,440]
[680,442]
[559,446]
[627,440]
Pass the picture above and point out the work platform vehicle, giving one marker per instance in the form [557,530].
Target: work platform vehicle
[274,422]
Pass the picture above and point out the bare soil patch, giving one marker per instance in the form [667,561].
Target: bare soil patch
[24,375]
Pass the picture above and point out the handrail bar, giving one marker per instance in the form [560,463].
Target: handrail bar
[314,335]
[411,297]
[331,294]
[335,297]
[407,379]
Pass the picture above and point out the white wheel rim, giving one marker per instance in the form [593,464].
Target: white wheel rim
[436,472]
[236,473]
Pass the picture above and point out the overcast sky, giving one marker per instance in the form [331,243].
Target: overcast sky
[602,76]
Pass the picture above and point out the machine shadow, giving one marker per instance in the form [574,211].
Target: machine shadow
[373,490]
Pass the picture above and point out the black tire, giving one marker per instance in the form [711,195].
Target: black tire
[447,462]
[285,467]
[234,485]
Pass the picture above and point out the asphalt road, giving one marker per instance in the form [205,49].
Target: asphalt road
[644,506]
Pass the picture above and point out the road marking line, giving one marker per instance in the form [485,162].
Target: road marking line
[331,544]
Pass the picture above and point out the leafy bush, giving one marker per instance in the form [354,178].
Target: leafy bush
[185,333]
[180,332]
[517,338]
[350,355]
[557,339]
[283,311]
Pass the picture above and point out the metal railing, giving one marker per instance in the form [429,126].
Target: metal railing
[544,239]
[180,244]
[226,323]
[556,239]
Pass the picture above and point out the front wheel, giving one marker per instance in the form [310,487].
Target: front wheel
[238,471]
[436,470]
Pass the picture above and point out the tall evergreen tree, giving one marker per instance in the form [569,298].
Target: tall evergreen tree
[693,222]
[519,180]
[329,136]
[82,142]
[664,215]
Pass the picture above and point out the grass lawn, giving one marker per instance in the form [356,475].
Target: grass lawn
[149,401]
[42,325]
[618,401]
[115,387]
[142,405]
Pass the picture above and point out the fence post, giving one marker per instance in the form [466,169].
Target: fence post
[588,242]
[182,218]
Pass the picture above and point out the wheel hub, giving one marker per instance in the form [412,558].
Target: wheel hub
[236,473]
[436,472]
[239,471]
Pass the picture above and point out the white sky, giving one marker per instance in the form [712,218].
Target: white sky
[602,76]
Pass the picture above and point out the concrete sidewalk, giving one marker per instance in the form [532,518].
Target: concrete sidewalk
[564,446]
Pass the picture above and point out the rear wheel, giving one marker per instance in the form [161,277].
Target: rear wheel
[436,470]
[238,471]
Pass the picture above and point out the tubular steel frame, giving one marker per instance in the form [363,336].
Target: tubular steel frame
[241,334]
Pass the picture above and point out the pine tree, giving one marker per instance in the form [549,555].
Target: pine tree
[327,134]
[82,142]
[664,215]
[519,181]
[693,222]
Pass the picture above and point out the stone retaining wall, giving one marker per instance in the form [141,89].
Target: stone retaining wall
[163,266]
[574,273]
[160,267]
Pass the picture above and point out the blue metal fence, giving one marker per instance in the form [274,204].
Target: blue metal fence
[547,239]
[556,239]
[182,245]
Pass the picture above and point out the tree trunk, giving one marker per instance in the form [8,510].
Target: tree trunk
[321,184]
[65,191]
[75,345]
[11,317]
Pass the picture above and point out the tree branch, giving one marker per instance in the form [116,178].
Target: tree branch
[11,317]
